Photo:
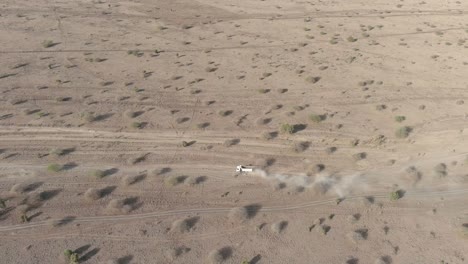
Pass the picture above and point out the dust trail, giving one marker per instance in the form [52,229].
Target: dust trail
[323,183]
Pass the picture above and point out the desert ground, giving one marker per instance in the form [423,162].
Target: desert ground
[122,123]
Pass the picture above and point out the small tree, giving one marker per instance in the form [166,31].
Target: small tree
[2,204]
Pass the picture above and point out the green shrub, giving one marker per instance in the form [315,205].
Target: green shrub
[395,195]
[287,128]
[400,119]
[54,167]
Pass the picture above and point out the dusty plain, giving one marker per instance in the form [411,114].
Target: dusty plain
[122,122]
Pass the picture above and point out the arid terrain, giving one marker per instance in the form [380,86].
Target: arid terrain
[122,123]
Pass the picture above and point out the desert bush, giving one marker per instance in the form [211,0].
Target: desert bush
[323,229]
[395,195]
[54,167]
[137,125]
[351,39]
[301,146]
[316,118]
[381,107]
[225,112]
[130,114]
[98,174]
[313,79]
[400,119]
[92,194]
[47,43]
[174,180]
[118,206]
[268,135]
[278,227]
[263,91]
[358,235]
[287,128]
[219,255]
[239,214]
[230,142]
[359,156]
[88,116]
[403,132]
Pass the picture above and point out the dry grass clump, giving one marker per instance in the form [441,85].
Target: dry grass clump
[137,125]
[98,174]
[92,194]
[132,179]
[263,121]
[231,142]
[174,180]
[263,91]
[323,229]
[136,159]
[400,119]
[19,188]
[130,114]
[180,226]
[54,167]
[269,135]
[313,79]
[301,146]
[48,43]
[174,253]
[316,118]
[118,206]
[395,195]
[412,174]
[278,227]
[314,169]
[239,214]
[287,128]
[440,170]
[224,113]
[358,235]
[194,180]
[219,255]
[88,116]
[383,260]
[359,156]
[403,132]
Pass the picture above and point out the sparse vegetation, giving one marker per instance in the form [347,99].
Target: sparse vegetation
[92,194]
[403,132]
[71,257]
[395,195]
[98,174]
[48,43]
[54,167]
[400,119]
[316,118]
[287,128]
[313,79]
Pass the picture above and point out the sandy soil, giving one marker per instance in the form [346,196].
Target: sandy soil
[122,122]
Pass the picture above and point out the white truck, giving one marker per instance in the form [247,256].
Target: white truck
[242,168]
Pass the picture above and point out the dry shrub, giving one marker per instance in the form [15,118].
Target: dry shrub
[23,208]
[92,194]
[231,142]
[440,170]
[239,214]
[359,156]
[301,146]
[314,169]
[403,132]
[219,255]
[131,179]
[118,206]
[180,226]
[358,235]
[130,114]
[174,253]
[174,180]
[278,227]
[413,175]
[19,188]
